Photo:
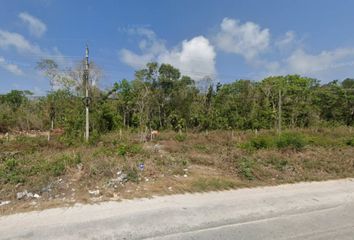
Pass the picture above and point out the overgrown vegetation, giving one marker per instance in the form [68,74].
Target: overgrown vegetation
[159,97]
[201,162]
[211,137]
[293,141]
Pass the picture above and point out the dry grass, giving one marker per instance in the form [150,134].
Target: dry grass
[217,160]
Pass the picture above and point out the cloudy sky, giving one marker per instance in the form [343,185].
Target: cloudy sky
[221,39]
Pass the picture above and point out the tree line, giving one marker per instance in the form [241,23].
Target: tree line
[159,97]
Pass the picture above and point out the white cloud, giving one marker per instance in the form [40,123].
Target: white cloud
[134,60]
[195,57]
[247,39]
[283,55]
[35,26]
[149,45]
[304,63]
[13,68]
[326,65]
[17,41]
[287,40]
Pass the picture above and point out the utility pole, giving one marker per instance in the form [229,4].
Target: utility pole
[87,98]
[279,112]
[51,113]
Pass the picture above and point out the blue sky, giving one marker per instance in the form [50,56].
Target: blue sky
[224,40]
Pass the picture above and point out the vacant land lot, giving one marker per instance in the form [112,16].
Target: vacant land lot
[36,174]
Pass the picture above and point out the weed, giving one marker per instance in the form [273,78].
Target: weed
[57,168]
[132,174]
[206,184]
[180,137]
[184,162]
[245,168]
[261,142]
[135,148]
[122,150]
[289,140]
[10,164]
[278,164]
[201,147]
[104,151]
[60,164]
[350,142]
[94,138]
[11,172]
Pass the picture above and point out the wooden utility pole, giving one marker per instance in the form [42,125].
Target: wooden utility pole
[87,99]
[279,112]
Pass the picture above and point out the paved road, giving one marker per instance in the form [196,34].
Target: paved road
[318,210]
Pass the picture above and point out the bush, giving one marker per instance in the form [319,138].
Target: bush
[293,141]
[95,137]
[261,142]
[135,148]
[11,172]
[124,149]
[350,142]
[132,174]
[11,164]
[258,142]
[245,167]
[58,167]
[181,137]
[277,163]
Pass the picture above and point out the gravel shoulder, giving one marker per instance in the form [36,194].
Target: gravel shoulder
[170,215]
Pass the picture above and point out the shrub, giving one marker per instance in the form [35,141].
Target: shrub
[180,137]
[350,142]
[122,150]
[132,174]
[11,172]
[95,137]
[58,167]
[135,148]
[278,164]
[11,164]
[245,168]
[261,142]
[258,142]
[293,141]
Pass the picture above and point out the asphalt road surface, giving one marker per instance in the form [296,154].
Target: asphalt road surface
[317,210]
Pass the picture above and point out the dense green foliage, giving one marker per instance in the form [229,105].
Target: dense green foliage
[160,98]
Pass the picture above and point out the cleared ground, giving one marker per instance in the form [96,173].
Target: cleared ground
[316,210]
